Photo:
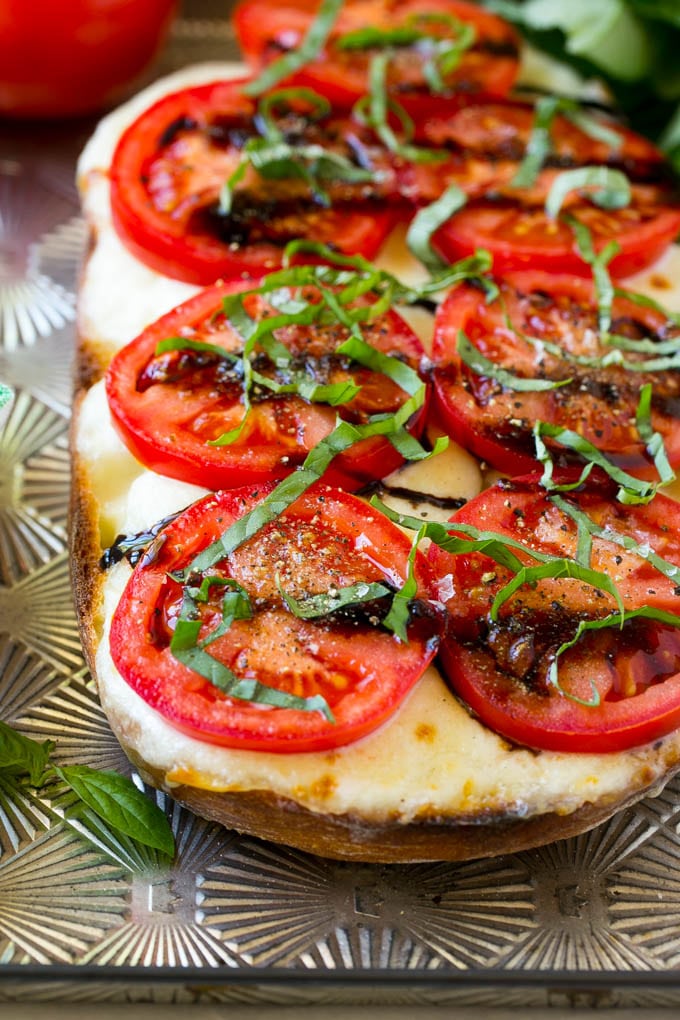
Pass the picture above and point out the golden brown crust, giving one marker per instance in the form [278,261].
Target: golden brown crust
[343,837]
[85,552]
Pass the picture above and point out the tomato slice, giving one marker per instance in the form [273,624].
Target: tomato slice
[171,163]
[501,668]
[522,236]
[169,407]
[598,400]
[486,143]
[327,539]
[489,67]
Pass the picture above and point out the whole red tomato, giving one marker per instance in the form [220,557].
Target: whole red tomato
[70,57]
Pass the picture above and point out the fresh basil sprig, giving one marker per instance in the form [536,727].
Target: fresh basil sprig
[113,798]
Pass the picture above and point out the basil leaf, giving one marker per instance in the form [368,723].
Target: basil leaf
[400,373]
[20,754]
[308,50]
[314,606]
[610,188]
[427,221]
[598,261]
[482,366]
[120,804]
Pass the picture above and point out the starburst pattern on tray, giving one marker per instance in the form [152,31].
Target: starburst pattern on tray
[573,932]
[57,897]
[278,906]
[162,926]
[34,486]
[24,680]
[32,305]
[37,613]
[49,377]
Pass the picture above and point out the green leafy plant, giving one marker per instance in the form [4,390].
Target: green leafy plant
[632,45]
[26,766]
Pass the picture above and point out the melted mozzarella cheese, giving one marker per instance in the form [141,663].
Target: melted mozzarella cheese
[432,759]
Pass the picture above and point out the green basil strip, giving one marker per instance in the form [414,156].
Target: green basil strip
[558,567]
[647,302]
[427,221]
[598,261]
[309,48]
[268,105]
[399,372]
[609,189]
[245,689]
[627,542]
[371,37]
[493,544]
[631,491]
[653,440]
[185,647]
[374,109]
[539,144]
[182,343]
[333,394]
[482,366]
[289,488]
[399,614]
[325,603]
[613,620]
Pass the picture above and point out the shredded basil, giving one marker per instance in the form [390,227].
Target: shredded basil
[539,144]
[273,158]
[607,188]
[608,534]
[613,620]
[427,221]
[631,490]
[653,440]
[598,261]
[187,649]
[314,606]
[308,50]
[374,109]
[483,366]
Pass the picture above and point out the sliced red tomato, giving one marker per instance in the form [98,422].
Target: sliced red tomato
[522,236]
[171,163]
[169,407]
[326,541]
[535,330]
[488,67]
[500,667]
[486,143]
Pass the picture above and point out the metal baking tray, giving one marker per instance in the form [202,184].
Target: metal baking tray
[587,921]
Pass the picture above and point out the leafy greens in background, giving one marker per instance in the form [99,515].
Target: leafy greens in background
[632,45]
